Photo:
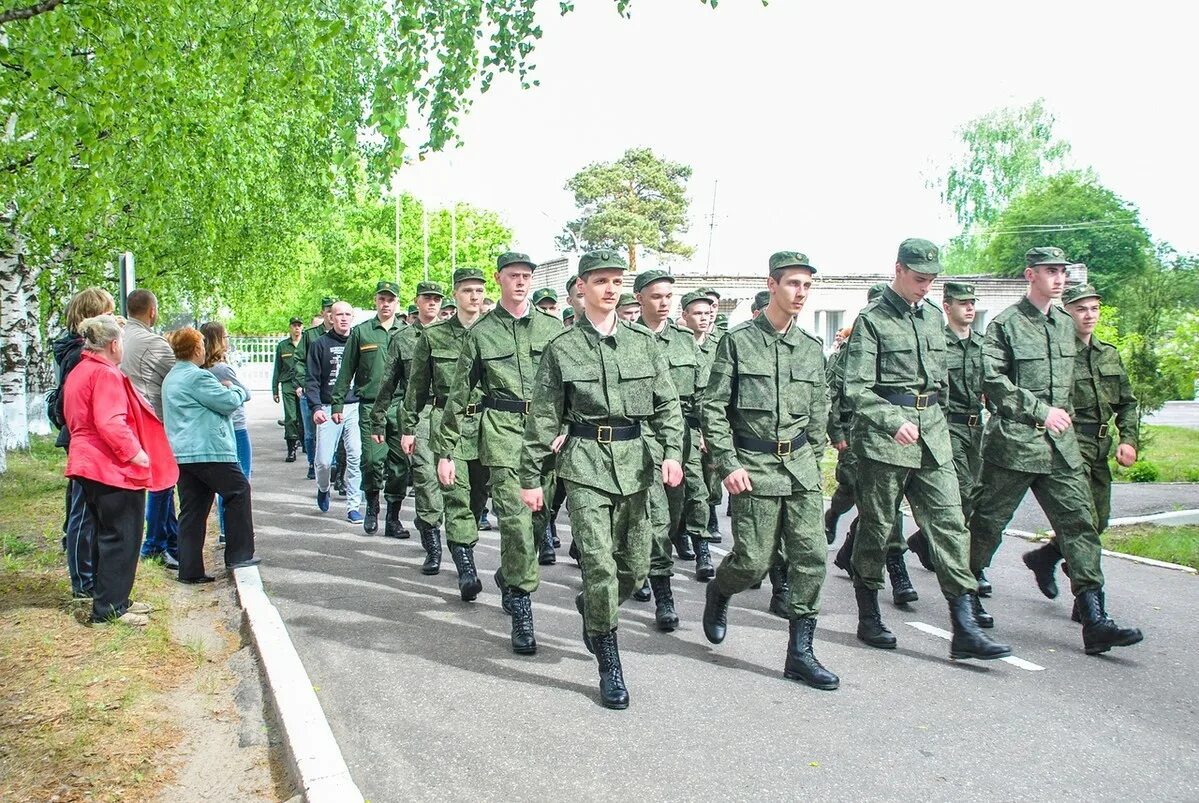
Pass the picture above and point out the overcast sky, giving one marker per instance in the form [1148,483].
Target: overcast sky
[823,121]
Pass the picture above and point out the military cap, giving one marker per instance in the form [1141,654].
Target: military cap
[627,299]
[514,258]
[543,294]
[710,291]
[919,255]
[295,321]
[570,284]
[875,291]
[1045,255]
[761,299]
[387,287]
[960,291]
[722,321]
[648,277]
[569,312]
[467,275]
[412,310]
[693,296]
[327,302]
[1077,292]
[603,259]
[449,304]
[430,289]
[789,259]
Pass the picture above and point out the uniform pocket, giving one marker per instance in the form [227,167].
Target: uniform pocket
[936,364]
[806,380]
[756,386]
[584,391]
[637,388]
[896,363]
[1032,366]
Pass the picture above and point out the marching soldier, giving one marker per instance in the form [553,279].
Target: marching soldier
[627,309]
[300,363]
[283,378]
[547,300]
[707,347]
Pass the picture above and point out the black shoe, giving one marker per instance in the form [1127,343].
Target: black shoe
[870,622]
[546,556]
[1075,615]
[642,594]
[505,592]
[716,614]
[968,641]
[779,592]
[802,664]
[586,638]
[469,584]
[704,570]
[554,532]
[918,543]
[844,557]
[984,585]
[291,452]
[981,616]
[311,472]
[682,546]
[665,616]
[392,527]
[574,551]
[1099,632]
[713,525]
[430,539]
[523,641]
[170,562]
[613,692]
[484,522]
[193,581]
[1042,561]
[902,591]
[830,526]
[370,524]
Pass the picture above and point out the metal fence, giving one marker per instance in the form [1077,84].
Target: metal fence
[254,359]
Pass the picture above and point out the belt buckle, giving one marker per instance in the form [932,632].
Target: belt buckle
[921,401]
[973,421]
[782,448]
[1040,427]
[599,434]
[1103,430]
[471,409]
[528,405]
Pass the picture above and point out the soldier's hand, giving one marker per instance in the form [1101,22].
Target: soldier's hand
[557,444]
[908,434]
[299,393]
[533,498]
[276,398]
[1058,420]
[841,445]
[1126,455]
[446,473]
[672,473]
[378,438]
[320,416]
[738,482]
[408,446]
[337,417]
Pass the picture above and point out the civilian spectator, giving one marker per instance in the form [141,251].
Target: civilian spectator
[216,347]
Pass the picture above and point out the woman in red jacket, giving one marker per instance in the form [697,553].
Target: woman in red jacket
[118,451]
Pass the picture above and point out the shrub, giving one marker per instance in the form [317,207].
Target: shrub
[1143,471]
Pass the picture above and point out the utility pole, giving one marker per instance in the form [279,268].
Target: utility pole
[711,227]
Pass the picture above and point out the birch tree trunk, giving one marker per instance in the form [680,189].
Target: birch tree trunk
[14,339]
[39,370]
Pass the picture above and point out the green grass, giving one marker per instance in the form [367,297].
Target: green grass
[1172,544]
[1174,450]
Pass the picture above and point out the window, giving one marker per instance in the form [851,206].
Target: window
[832,324]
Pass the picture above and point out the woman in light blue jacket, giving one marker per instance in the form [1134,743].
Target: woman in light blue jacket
[197,408]
[216,347]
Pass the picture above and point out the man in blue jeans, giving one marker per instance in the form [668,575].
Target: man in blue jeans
[320,326]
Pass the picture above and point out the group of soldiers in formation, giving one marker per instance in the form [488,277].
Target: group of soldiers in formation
[637,424]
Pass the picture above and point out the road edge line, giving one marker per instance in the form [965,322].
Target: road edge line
[1107,553]
[315,757]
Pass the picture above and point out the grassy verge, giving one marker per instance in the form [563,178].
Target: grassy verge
[1174,451]
[1172,544]
[81,709]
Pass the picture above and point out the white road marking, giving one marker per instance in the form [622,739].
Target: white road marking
[945,634]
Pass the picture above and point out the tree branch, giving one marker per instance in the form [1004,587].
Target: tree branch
[14,14]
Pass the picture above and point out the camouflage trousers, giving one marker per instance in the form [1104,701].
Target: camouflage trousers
[932,492]
[845,497]
[1065,496]
[518,546]
[967,461]
[686,503]
[764,527]
[430,506]
[613,535]
[1094,454]
[713,481]
[464,502]
[292,429]
[374,455]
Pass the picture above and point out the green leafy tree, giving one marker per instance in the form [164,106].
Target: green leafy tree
[636,202]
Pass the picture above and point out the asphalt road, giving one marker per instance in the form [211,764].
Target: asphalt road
[428,702]
[1177,414]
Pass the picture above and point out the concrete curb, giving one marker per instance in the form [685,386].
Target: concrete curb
[316,759]
[1177,516]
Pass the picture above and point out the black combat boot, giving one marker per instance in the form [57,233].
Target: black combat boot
[505,592]
[392,526]
[664,613]
[968,641]
[830,526]
[870,622]
[430,539]
[844,557]
[779,592]
[574,551]
[1042,561]
[802,664]
[292,444]
[523,642]
[682,546]
[586,638]
[704,570]
[469,584]
[643,594]
[554,530]
[716,614]
[902,591]
[370,525]
[918,543]
[713,525]
[546,556]
[1099,632]
[613,692]
[984,585]
[981,616]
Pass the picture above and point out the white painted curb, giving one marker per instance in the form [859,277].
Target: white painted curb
[320,767]
[1161,564]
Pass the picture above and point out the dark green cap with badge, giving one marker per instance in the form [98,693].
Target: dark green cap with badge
[710,291]
[960,291]
[412,310]
[626,300]
[569,312]
[1077,292]
[543,294]
[327,302]
[789,259]
[570,284]
[603,259]
[387,287]
[875,291]
[648,277]
[693,296]
[1045,255]
[429,289]
[449,304]
[761,299]
[920,255]
[467,275]
[296,321]
[514,258]
[722,321]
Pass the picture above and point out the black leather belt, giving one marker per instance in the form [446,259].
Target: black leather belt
[780,448]
[1094,430]
[920,401]
[605,434]
[507,405]
[439,403]
[969,419]
[692,421]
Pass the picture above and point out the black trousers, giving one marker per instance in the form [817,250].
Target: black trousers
[198,484]
[120,516]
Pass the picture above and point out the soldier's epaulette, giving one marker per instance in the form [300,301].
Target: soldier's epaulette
[557,335]
[437,323]
[810,336]
[548,314]
[638,328]
[682,328]
[739,327]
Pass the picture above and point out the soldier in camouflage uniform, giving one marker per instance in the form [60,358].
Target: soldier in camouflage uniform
[547,299]
[362,364]
[712,477]
[1030,441]
[763,414]
[627,309]
[300,369]
[609,385]
[500,356]
[686,504]
[283,378]
[433,364]
[896,383]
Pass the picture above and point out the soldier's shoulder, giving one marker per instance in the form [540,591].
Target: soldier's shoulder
[1060,313]
[739,330]
[1105,346]
[683,329]
[638,328]
[814,340]
[1006,314]
[546,314]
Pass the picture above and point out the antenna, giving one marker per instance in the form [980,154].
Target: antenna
[711,226]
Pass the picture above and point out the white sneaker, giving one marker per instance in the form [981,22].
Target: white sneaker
[139,608]
[133,619]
